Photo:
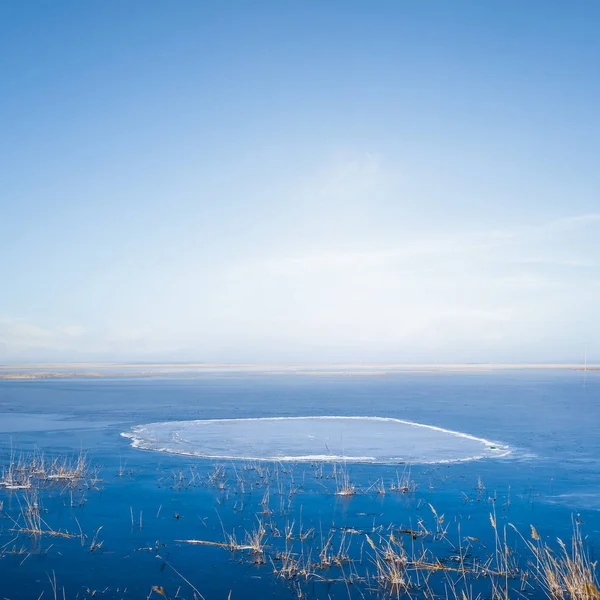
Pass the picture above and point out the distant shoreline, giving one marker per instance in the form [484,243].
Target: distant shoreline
[113,370]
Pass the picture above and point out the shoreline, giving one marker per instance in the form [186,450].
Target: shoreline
[113,370]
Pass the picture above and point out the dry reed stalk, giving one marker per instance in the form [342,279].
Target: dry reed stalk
[568,574]
[403,484]
[391,565]
[344,487]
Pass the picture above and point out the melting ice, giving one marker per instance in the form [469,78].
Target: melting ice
[353,439]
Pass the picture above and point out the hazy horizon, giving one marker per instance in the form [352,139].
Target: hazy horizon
[262,182]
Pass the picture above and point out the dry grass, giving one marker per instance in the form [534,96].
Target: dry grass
[26,471]
[391,565]
[344,487]
[30,520]
[403,484]
[425,560]
[565,574]
[68,468]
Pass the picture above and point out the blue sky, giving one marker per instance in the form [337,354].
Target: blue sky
[299,181]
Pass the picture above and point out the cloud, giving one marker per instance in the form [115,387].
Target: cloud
[571,223]
[512,246]
[463,295]
[477,290]
[20,335]
[350,177]
[24,340]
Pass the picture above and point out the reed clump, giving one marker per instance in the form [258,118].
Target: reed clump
[391,564]
[30,520]
[567,573]
[35,470]
[344,487]
[403,483]
[426,557]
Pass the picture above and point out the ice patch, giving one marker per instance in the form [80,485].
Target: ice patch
[354,439]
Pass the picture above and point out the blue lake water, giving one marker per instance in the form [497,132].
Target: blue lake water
[146,501]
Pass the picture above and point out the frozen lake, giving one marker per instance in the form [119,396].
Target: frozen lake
[141,504]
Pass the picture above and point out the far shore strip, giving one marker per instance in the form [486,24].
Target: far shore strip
[113,370]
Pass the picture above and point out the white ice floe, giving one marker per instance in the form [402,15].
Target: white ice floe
[353,439]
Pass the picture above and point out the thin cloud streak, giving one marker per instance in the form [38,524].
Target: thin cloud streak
[478,242]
